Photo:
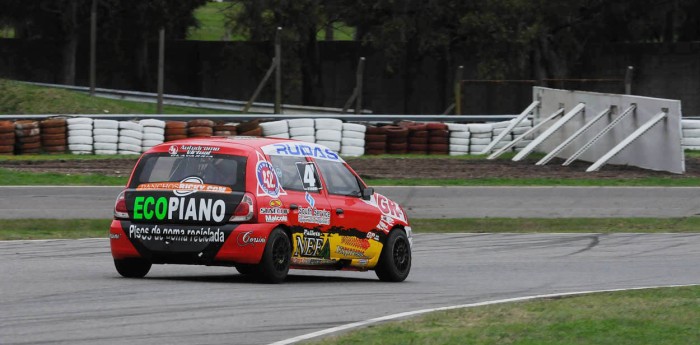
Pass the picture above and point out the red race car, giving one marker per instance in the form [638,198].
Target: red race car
[262,205]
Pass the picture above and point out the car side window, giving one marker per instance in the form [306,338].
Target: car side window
[339,180]
[287,172]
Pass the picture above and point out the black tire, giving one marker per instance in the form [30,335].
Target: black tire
[395,260]
[274,266]
[247,269]
[132,268]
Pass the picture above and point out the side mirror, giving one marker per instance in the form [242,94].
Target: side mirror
[367,193]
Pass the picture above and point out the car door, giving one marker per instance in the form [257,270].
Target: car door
[309,215]
[354,221]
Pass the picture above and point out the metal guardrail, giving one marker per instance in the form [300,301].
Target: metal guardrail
[247,117]
[197,102]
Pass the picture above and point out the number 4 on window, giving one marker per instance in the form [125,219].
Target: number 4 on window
[309,176]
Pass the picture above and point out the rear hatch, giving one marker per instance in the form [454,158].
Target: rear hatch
[179,206]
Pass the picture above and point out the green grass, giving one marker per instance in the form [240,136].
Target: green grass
[636,182]
[211,19]
[64,157]
[14,229]
[18,178]
[667,316]
[18,98]
[38,229]
[556,225]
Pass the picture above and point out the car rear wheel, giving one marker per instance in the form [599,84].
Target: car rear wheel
[132,268]
[395,261]
[274,266]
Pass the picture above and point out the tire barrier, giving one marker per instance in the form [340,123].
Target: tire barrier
[7,138]
[82,135]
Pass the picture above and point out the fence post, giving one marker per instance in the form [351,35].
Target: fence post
[458,90]
[93,47]
[359,80]
[278,71]
[161,68]
[628,80]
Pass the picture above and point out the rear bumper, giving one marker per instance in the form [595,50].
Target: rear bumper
[189,244]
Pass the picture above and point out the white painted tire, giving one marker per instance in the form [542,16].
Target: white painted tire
[105,124]
[80,127]
[482,135]
[329,135]
[294,123]
[354,127]
[500,125]
[522,143]
[480,128]
[129,147]
[111,139]
[80,133]
[80,140]
[80,147]
[274,127]
[690,124]
[520,130]
[331,124]
[306,138]
[79,152]
[150,143]
[105,146]
[352,142]
[301,131]
[461,135]
[476,149]
[280,135]
[152,123]
[130,141]
[127,152]
[457,127]
[459,141]
[691,142]
[458,153]
[353,134]
[459,148]
[352,151]
[333,145]
[79,121]
[153,130]
[124,125]
[691,133]
[131,134]
[105,152]
[105,131]
[153,136]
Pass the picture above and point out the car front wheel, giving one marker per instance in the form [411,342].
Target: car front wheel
[395,260]
[132,268]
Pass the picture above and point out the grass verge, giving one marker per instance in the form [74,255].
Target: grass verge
[653,316]
[18,98]
[19,178]
[31,229]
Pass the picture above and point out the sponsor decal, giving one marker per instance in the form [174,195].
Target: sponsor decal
[372,236]
[114,236]
[359,243]
[276,219]
[247,238]
[162,208]
[315,216]
[275,203]
[310,199]
[274,214]
[184,188]
[311,261]
[267,179]
[390,210]
[344,251]
[192,150]
[312,243]
[176,234]
[301,150]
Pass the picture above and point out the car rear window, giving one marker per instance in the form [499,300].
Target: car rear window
[218,169]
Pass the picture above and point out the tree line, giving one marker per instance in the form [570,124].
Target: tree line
[544,39]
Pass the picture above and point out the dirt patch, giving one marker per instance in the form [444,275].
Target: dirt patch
[396,168]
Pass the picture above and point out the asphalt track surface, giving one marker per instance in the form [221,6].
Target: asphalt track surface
[67,291]
[420,202]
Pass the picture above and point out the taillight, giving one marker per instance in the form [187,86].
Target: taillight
[245,210]
[120,210]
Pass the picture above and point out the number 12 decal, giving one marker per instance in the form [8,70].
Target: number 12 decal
[309,176]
